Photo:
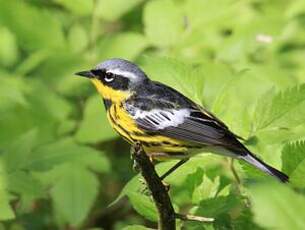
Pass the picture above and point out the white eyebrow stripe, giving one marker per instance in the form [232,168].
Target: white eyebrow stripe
[122,73]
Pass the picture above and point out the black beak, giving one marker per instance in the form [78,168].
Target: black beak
[87,74]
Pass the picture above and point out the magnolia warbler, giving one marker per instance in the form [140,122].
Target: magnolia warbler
[165,122]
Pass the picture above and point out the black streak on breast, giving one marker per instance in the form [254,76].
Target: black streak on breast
[107,103]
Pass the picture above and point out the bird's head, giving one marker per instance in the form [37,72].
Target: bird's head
[115,79]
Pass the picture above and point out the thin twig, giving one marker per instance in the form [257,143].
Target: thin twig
[189,217]
[234,171]
[238,181]
[166,212]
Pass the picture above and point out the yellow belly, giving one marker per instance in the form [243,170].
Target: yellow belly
[123,123]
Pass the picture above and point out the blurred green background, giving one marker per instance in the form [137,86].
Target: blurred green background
[61,165]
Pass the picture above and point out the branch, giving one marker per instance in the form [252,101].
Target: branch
[166,212]
[234,171]
[189,217]
[159,192]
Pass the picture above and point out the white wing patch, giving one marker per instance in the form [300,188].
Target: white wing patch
[160,119]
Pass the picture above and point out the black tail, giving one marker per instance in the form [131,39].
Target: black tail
[253,160]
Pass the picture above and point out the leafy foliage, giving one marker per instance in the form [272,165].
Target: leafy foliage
[285,209]
[281,110]
[63,167]
[94,118]
[293,156]
[163,23]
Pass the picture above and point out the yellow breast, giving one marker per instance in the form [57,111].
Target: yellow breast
[124,124]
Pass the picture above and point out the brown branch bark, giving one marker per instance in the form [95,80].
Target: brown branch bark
[166,212]
[159,192]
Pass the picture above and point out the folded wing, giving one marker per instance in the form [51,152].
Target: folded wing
[191,124]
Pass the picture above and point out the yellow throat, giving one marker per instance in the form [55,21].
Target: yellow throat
[109,93]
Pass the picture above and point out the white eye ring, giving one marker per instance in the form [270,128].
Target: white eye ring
[109,77]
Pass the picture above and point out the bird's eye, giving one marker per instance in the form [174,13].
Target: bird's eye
[109,77]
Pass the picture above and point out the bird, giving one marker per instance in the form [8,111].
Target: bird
[167,124]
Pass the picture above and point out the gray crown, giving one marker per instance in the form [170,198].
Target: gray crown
[123,66]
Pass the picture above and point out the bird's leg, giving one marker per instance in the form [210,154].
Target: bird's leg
[172,169]
[161,155]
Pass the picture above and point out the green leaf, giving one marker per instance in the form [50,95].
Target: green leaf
[74,194]
[218,206]
[126,45]
[297,177]
[6,211]
[293,158]
[143,204]
[192,182]
[58,73]
[216,77]
[275,206]
[216,12]
[78,38]
[47,32]
[78,7]
[67,151]
[295,8]
[25,184]
[209,188]
[21,181]
[135,190]
[8,47]
[113,9]
[232,93]
[12,91]
[284,109]
[56,106]
[163,22]
[245,221]
[33,61]
[66,127]
[187,191]
[17,153]
[183,77]
[5,208]
[43,112]
[95,125]
[270,137]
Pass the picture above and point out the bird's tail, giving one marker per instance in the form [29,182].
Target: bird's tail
[253,160]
